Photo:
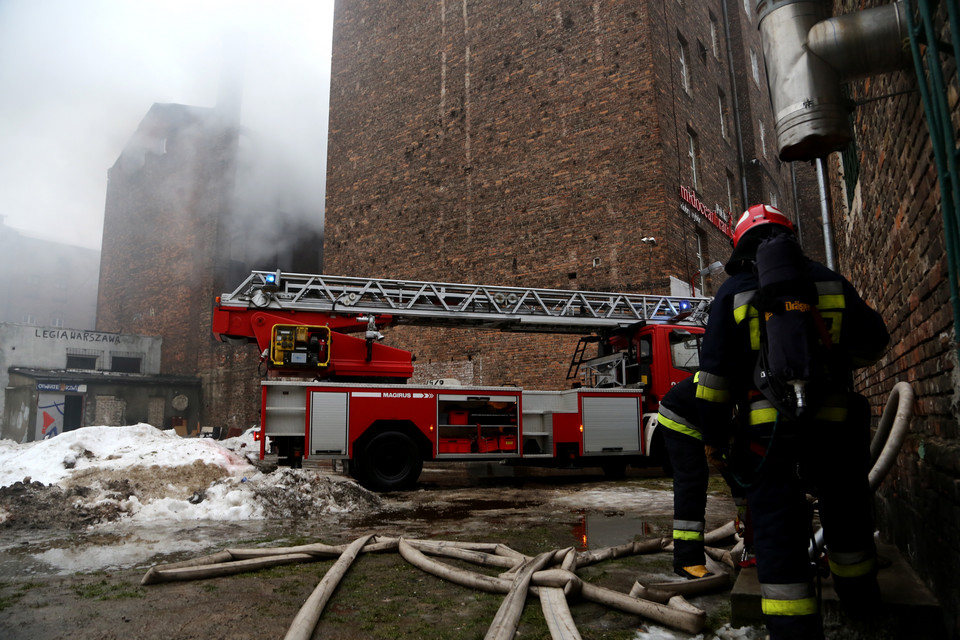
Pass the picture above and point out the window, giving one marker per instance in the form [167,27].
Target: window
[125,364]
[684,70]
[755,67]
[685,350]
[773,199]
[693,153]
[81,362]
[722,102]
[714,36]
[701,51]
[57,322]
[748,8]
[763,139]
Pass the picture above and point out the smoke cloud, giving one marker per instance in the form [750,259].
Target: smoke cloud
[78,77]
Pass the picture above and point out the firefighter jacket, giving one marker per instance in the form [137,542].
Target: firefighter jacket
[731,343]
[678,409]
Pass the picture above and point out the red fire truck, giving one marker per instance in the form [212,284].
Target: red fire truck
[335,391]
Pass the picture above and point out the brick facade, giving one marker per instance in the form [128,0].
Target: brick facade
[534,144]
[890,242]
[162,257]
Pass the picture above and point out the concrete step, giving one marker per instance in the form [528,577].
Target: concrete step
[909,608]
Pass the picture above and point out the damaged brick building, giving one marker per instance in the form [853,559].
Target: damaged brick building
[174,238]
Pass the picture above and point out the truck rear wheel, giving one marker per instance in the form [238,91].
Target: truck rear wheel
[391,461]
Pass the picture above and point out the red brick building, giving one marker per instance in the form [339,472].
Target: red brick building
[889,213]
[538,144]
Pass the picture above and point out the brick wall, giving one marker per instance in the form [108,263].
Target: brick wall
[162,260]
[533,144]
[891,245]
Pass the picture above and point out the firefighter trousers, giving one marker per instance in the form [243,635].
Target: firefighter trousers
[690,475]
[779,463]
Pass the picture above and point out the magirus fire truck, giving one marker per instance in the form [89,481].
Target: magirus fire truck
[334,391]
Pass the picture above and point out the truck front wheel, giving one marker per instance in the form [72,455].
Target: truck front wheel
[391,461]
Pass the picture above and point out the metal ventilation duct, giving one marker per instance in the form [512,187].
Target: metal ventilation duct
[864,43]
[807,55]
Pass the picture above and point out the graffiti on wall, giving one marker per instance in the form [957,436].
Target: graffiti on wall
[49,415]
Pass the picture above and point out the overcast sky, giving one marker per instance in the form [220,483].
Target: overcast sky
[77,76]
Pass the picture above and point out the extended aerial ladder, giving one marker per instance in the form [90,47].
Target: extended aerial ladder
[267,300]
[449,304]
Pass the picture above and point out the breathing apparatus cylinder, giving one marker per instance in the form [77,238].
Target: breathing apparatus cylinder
[790,353]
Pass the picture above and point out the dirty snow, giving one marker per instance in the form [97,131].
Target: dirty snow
[141,474]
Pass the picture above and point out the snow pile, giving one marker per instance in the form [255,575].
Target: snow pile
[139,473]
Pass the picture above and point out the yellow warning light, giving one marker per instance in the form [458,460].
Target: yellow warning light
[431,427]
[581,428]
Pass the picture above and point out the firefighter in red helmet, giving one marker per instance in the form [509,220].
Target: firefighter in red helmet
[783,337]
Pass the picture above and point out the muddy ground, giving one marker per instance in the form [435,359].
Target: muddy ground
[65,580]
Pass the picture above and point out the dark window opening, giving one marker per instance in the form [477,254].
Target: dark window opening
[125,364]
[81,362]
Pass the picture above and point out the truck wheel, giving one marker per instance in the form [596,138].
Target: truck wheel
[390,462]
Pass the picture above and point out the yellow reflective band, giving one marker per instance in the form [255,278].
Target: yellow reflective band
[678,427]
[740,313]
[851,570]
[763,416]
[696,536]
[755,333]
[712,395]
[832,302]
[801,607]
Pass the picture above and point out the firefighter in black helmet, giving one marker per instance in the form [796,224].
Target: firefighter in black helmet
[784,335]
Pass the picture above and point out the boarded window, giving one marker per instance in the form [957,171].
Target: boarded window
[155,412]
[111,411]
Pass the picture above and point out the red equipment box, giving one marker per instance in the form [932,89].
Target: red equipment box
[487,444]
[457,416]
[453,445]
[508,443]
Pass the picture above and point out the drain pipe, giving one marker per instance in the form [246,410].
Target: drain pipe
[829,248]
[807,54]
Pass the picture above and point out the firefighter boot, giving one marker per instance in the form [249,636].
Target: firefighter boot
[693,572]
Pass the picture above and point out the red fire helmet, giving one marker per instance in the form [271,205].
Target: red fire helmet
[757,215]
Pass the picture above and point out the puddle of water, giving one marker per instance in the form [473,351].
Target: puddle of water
[598,530]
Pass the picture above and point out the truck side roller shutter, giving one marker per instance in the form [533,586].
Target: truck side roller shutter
[328,422]
[611,425]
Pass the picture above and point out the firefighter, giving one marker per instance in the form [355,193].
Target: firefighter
[684,446]
[684,443]
[805,435]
